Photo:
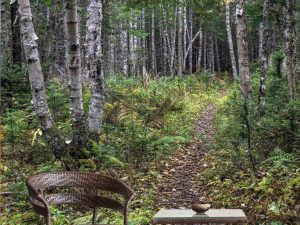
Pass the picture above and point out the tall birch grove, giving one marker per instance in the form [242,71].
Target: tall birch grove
[185,101]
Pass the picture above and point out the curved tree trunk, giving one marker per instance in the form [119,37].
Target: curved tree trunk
[230,43]
[39,97]
[29,38]
[74,69]
[94,59]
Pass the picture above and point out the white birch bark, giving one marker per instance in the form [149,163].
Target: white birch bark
[124,59]
[94,60]
[230,43]
[74,70]
[244,70]
[153,49]
[29,41]
[190,49]
[205,51]
[184,37]
[180,47]
[198,66]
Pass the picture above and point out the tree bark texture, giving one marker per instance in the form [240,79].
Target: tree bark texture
[94,59]
[29,40]
[230,43]
[74,69]
[290,47]
[198,67]
[242,44]
[180,48]
[264,57]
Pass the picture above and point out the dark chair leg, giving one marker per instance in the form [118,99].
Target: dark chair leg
[48,219]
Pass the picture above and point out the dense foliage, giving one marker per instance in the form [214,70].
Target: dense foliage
[142,125]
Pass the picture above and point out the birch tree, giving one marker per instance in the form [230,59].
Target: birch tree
[198,66]
[180,47]
[74,70]
[242,44]
[36,78]
[94,59]
[230,43]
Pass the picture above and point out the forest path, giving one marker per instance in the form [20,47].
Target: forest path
[178,185]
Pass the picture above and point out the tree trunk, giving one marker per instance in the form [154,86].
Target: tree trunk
[153,49]
[39,97]
[185,32]
[264,57]
[290,47]
[198,67]
[260,39]
[180,48]
[94,59]
[205,51]
[242,44]
[74,69]
[15,36]
[191,42]
[230,43]
[29,38]
[217,56]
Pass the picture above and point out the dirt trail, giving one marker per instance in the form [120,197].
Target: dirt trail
[177,187]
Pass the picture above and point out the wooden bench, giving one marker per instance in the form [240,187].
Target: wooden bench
[188,216]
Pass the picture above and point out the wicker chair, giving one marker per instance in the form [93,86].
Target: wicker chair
[70,181]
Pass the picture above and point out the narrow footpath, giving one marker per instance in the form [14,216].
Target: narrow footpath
[177,187]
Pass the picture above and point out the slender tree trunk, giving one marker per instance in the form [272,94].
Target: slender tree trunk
[184,37]
[94,59]
[230,43]
[74,69]
[244,71]
[290,47]
[260,39]
[124,59]
[242,43]
[191,42]
[15,36]
[153,49]
[173,48]
[217,56]
[188,52]
[212,58]
[205,51]
[180,48]
[264,57]
[198,67]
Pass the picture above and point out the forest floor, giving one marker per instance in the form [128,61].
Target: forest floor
[178,184]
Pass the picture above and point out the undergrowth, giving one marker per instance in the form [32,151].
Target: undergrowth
[142,125]
[271,194]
